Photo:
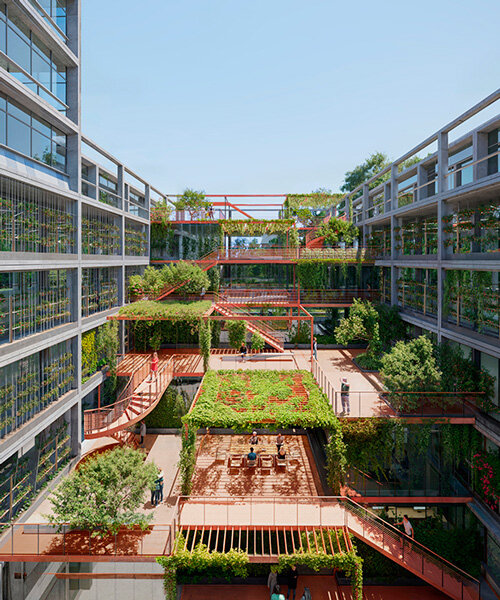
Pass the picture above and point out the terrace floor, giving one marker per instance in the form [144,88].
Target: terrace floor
[322,587]
[212,477]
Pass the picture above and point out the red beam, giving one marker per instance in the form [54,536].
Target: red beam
[413,499]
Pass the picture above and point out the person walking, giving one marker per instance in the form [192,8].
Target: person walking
[142,431]
[292,578]
[272,581]
[344,396]
[408,527]
[315,349]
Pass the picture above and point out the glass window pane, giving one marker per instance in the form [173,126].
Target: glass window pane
[59,153]
[40,148]
[13,109]
[18,135]
[18,50]
[40,69]
[42,126]
[3,137]
[3,36]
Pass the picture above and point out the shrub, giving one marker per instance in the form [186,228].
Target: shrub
[258,342]
[237,333]
[168,412]
[205,339]
[361,324]
[300,334]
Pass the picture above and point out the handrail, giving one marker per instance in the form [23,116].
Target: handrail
[325,500]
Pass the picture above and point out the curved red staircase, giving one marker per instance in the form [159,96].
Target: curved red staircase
[139,397]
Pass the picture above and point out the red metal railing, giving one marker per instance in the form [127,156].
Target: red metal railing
[104,419]
[336,511]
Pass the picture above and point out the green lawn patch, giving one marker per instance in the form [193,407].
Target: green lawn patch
[166,309]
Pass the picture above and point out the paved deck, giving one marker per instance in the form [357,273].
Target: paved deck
[212,477]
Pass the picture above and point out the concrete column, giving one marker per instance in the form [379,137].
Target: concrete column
[394,254]
[442,165]
[73,96]
[421,180]
[387,197]
[394,187]
[479,150]
[147,203]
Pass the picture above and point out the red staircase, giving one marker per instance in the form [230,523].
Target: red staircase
[253,325]
[315,242]
[139,397]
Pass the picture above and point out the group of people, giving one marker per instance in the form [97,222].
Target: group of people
[157,490]
[280,448]
[291,579]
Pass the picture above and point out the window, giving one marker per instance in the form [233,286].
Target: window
[493,147]
[31,135]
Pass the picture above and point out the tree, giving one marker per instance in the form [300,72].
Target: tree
[194,202]
[337,230]
[104,493]
[373,164]
[237,333]
[362,324]
[410,367]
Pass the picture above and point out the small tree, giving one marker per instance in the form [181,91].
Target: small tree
[104,493]
[410,367]
[337,230]
[205,338]
[258,342]
[237,333]
[361,324]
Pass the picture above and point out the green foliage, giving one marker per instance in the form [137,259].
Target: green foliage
[336,462]
[192,201]
[319,199]
[237,333]
[155,280]
[337,230]
[348,562]
[461,374]
[161,212]
[189,311]
[247,227]
[168,412]
[89,354]
[258,342]
[216,331]
[300,333]
[293,238]
[244,412]
[373,164]
[201,560]
[461,546]
[214,277]
[105,492]
[205,335]
[458,443]
[171,331]
[361,324]
[410,367]
[187,457]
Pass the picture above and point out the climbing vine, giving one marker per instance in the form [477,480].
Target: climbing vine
[205,338]
[249,227]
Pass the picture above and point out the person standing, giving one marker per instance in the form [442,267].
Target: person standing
[272,581]
[292,578]
[344,396]
[277,595]
[408,527]
[154,366]
[243,351]
[142,430]
[159,492]
[280,440]
[315,349]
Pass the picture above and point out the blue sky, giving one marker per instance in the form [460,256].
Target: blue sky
[276,96]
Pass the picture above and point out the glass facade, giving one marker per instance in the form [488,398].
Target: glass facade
[30,61]
[31,135]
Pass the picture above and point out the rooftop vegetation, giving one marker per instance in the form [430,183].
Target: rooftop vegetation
[243,399]
[154,280]
[250,227]
[166,309]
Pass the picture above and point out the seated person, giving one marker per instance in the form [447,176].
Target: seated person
[254,439]
[281,453]
[251,456]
